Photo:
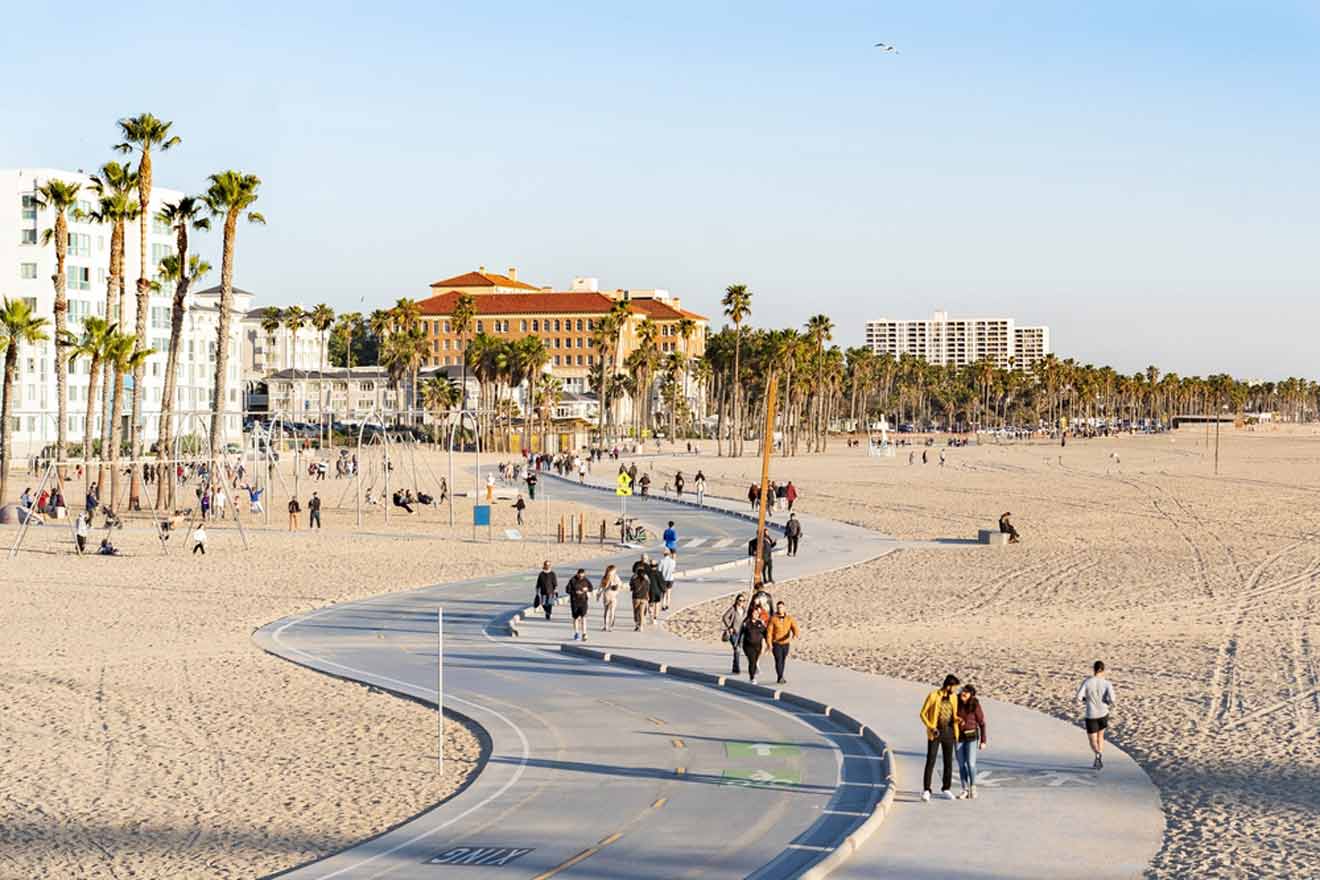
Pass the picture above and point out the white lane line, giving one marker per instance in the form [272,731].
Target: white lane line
[696,542]
[810,848]
[522,738]
[721,543]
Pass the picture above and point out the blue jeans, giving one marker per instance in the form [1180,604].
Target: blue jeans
[967,750]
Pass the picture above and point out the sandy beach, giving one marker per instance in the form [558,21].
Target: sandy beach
[143,734]
[1200,593]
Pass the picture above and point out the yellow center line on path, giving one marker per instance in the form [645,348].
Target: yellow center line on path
[656,721]
[679,744]
[592,850]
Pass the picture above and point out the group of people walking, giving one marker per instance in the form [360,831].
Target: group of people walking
[650,588]
[756,628]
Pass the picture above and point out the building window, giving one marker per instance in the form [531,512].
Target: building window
[27,270]
[446,326]
[556,325]
[481,328]
[78,278]
[536,325]
[523,326]
[27,236]
[79,309]
[80,244]
[556,346]
[160,317]
[556,360]
[160,251]
[579,325]
[29,208]
[368,386]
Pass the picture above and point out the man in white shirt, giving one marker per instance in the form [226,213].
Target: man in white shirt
[1097,697]
[667,566]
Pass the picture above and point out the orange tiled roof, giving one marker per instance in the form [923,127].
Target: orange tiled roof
[483,279]
[551,303]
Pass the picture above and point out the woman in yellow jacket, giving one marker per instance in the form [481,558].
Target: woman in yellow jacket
[939,714]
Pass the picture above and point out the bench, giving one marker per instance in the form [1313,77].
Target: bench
[993,537]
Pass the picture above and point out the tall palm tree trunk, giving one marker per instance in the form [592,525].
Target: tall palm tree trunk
[222,332]
[61,324]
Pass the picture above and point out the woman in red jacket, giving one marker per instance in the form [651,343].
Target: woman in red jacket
[971,739]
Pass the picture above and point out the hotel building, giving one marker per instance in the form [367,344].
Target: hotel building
[511,309]
[960,341]
[26,267]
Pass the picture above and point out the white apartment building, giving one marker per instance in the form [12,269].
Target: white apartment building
[960,341]
[26,267]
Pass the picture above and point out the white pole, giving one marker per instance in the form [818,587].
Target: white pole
[440,685]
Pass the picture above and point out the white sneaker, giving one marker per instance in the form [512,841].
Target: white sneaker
[925,795]
[971,793]
[963,795]
[947,795]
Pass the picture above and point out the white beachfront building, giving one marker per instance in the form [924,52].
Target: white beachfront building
[958,342]
[26,269]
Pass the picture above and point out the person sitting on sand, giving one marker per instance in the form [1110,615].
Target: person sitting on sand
[400,500]
[107,549]
[1007,528]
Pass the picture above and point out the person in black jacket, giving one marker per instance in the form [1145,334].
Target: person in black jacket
[657,593]
[579,596]
[547,588]
[640,588]
[793,532]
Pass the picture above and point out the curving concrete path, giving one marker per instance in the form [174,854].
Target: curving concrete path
[606,771]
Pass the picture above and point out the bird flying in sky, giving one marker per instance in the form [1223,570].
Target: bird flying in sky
[885,47]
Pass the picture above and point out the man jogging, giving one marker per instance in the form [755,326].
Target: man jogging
[793,532]
[939,715]
[781,632]
[1097,697]
[670,538]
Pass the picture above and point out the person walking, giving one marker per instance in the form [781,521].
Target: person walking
[531,484]
[608,593]
[668,564]
[547,588]
[733,628]
[939,715]
[971,739]
[767,558]
[753,640]
[1097,697]
[783,629]
[519,506]
[314,512]
[221,502]
[657,588]
[199,539]
[640,587]
[753,495]
[81,528]
[793,532]
[790,494]
[678,484]
[699,483]
[294,509]
[579,597]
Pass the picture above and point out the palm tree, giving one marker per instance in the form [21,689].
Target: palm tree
[181,271]
[294,319]
[686,328]
[115,186]
[61,197]
[737,304]
[461,318]
[346,328]
[17,326]
[125,354]
[182,277]
[322,318]
[403,355]
[230,195]
[407,319]
[94,344]
[141,134]
[438,396]
[271,321]
[676,372]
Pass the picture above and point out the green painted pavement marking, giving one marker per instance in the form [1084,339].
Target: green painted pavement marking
[760,750]
[762,777]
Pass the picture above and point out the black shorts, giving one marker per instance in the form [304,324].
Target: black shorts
[1095,725]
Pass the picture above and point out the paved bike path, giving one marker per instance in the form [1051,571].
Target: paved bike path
[1042,812]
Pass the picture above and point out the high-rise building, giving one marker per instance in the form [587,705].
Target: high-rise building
[960,341]
[26,269]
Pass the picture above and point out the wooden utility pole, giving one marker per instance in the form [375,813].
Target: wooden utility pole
[767,444]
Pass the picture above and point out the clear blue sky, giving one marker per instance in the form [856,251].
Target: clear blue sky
[1140,176]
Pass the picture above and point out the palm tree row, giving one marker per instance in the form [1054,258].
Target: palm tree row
[123,194]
